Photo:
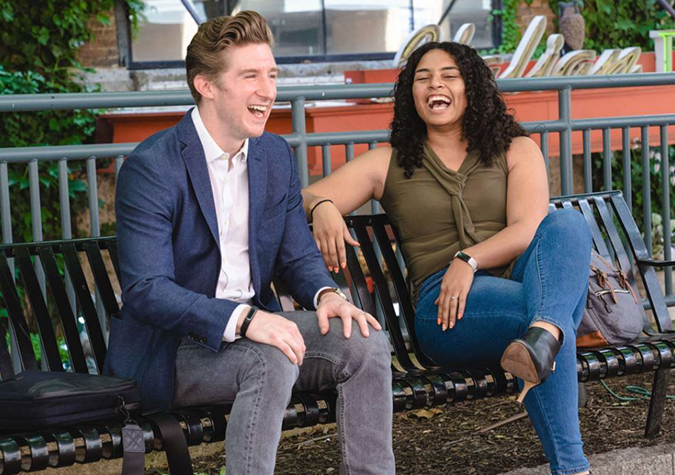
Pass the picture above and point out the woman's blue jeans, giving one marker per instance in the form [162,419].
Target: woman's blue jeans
[549,283]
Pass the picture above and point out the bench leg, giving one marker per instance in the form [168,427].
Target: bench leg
[657,403]
[583,395]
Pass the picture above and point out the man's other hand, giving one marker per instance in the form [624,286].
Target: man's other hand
[275,330]
[332,305]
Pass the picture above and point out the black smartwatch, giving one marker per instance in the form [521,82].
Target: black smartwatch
[247,320]
[468,259]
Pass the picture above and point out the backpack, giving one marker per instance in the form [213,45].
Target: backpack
[613,313]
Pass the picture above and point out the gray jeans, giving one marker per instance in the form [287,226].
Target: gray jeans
[259,379]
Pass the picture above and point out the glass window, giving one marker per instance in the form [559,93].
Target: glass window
[371,26]
[297,25]
[477,12]
[165,32]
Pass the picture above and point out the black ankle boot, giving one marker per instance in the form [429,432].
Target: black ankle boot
[531,358]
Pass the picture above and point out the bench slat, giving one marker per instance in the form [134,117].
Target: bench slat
[50,350]
[112,249]
[400,287]
[361,296]
[101,278]
[382,290]
[16,317]
[63,306]
[598,240]
[91,320]
[613,233]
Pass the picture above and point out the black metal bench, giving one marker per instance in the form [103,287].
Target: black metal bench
[74,313]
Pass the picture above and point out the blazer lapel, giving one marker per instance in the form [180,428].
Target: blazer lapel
[195,161]
[257,190]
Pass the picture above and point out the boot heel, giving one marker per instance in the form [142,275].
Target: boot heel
[526,387]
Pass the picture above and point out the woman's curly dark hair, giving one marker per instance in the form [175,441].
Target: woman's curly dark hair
[486,124]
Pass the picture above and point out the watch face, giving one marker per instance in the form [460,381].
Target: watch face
[463,256]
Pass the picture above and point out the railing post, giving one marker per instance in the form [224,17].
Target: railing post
[64,200]
[66,228]
[646,191]
[5,207]
[36,224]
[300,130]
[92,195]
[565,115]
[665,175]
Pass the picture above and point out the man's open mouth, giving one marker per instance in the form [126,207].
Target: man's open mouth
[258,110]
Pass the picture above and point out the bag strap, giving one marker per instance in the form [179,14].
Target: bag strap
[133,445]
[174,443]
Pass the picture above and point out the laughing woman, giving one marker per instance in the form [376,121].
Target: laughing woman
[494,277]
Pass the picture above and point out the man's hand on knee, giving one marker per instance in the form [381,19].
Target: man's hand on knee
[332,305]
[275,330]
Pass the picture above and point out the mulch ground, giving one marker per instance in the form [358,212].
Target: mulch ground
[449,441]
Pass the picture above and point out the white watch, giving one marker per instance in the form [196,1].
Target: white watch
[468,259]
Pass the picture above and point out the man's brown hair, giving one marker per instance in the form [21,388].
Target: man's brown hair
[218,34]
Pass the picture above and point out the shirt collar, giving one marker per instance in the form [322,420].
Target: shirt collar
[212,150]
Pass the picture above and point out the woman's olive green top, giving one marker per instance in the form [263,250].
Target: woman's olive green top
[439,211]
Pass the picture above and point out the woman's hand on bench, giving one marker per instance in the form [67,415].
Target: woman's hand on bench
[330,234]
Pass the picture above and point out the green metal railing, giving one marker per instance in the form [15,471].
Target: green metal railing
[300,140]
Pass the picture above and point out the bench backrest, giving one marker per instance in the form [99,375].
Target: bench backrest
[68,316]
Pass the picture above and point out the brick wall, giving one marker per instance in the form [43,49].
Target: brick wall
[527,12]
[101,52]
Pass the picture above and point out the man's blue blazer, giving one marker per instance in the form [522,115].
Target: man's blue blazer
[169,255]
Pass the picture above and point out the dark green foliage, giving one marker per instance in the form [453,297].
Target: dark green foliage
[621,23]
[511,33]
[39,41]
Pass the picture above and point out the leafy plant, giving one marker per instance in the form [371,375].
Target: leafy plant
[621,23]
[511,33]
[39,43]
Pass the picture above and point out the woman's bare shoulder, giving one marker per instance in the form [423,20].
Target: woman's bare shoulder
[378,154]
[523,150]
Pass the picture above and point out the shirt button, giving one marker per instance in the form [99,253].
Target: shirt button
[225,222]
[225,181]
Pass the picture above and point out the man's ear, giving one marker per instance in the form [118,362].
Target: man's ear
[204,86]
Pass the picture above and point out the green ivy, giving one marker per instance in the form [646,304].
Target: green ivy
[39,43]
[511,33]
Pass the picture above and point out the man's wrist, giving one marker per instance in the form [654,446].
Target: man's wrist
[328,291]
[246,321]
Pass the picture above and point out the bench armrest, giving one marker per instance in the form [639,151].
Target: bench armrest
[655,263]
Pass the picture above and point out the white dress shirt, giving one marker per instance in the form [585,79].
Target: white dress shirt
[229,183]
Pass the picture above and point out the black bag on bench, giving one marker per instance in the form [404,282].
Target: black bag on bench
[42,400]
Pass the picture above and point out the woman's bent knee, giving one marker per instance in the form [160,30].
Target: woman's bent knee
[567,225]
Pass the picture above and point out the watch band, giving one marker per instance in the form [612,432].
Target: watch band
[468,259]
[331,289]
[247,320]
